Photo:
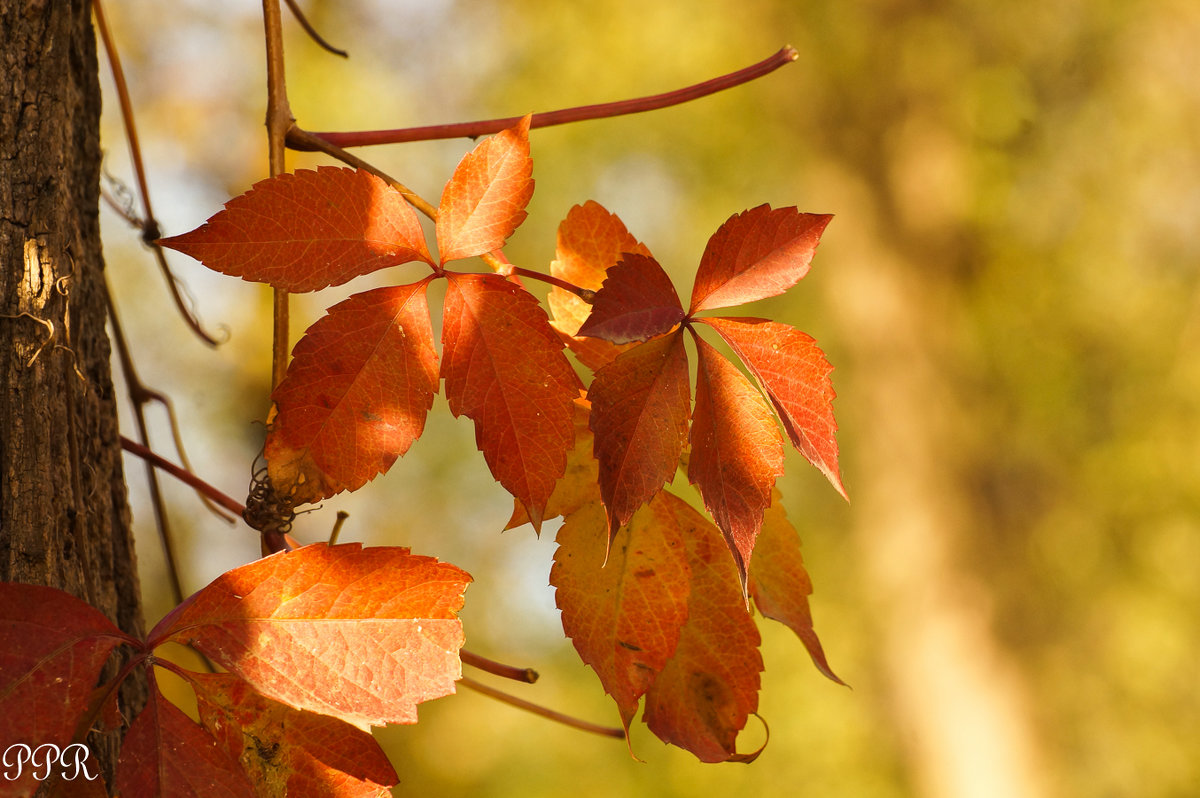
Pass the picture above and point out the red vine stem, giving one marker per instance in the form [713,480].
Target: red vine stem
[526,675]
[279,119]
[157,460]
[529,706]
[364,138]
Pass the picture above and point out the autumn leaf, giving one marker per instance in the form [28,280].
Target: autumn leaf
[756,254]
[623,616]
[356,395]
[590,241]
[52,648]
[709,687]
[167,755]
[640,408]
[361,634]
[737,452]
[636,302]
[578,484]
[793,371]
[305,230]
[288,751]
[484,200]
[780,584]
[505,370]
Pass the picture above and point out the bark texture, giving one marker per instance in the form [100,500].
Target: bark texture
[64,520]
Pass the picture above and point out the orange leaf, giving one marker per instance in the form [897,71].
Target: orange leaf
[640,408]
[795,375]
[737,452]
[590,241]
[703,696]
[361,634]
[167,755]
[356,395]
[484,200]
[758,253]
[505,370]
[636,302]
[306,230]
[52,648]
[780,584]
[624,616]
[287,751]
[578,484]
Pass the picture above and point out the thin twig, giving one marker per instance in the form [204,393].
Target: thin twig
[364,138]
[149,225]
[187,477]
[279,119]
[338,521]
[311,31]
[528,706]
[526,675]
[586,294]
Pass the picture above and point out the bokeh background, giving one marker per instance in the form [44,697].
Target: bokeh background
[1008,292]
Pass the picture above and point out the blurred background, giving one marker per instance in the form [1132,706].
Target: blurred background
[1008,292]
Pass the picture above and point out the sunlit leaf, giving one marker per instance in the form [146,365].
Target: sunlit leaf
[635,303]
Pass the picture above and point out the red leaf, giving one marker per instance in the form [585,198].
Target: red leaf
[624,616]
[361,634]
[795,375]
[578,484]
[287,751]
[52,648]
[703,696]
[484,200]
[356,395]
[307,230]
[640,407]
[505,370]
[167,755]
[780,584]
[590,241]
[758,253]
[737,452]
[636,302]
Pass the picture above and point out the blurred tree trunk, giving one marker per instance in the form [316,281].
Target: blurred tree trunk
[64,520]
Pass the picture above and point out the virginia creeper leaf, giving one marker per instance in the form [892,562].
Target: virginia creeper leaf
[780,584]
[484,200]
[305,230]
[737,452]
[623,616]
[795,375]
[578,484]
[356,395]
[590,241]
[635,303]
[703,696]
[758,253]
[52,648]
[167,755]
[640,407]
[506,371]
[361,634]
[288,751]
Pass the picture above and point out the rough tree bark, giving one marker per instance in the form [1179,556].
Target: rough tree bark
[64,520]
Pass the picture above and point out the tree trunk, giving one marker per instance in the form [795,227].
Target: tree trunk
[64,520]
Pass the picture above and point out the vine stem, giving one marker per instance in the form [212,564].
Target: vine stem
[537,709]
[364,138]
[526,675]
[182,474]
[279,120]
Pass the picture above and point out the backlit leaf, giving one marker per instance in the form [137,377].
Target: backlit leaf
[780,584]
[484,200]
[356,395]
[505,370]
[590,241]
[737,452]
[288,751]
[167,755]
[578,484]
[305,230]
[640,407]
[795,375]
[623,616]
[708,689]
[758,253]
[361,634]
[52,648]
[636,302]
